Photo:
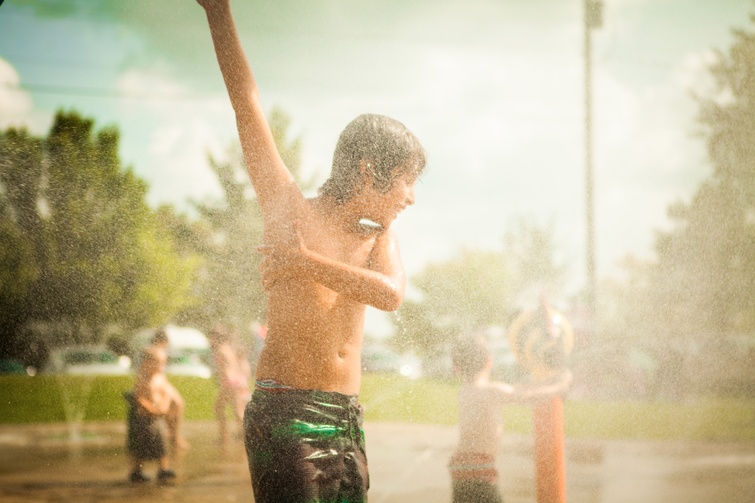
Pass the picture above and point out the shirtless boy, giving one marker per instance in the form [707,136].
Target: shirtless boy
[175,416]
[324,260]
[149,402]
[481,401]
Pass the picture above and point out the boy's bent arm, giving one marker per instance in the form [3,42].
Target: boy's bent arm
[383,290]
[538,391]
[267,171]
[152,407]
[151,398]
[381,284]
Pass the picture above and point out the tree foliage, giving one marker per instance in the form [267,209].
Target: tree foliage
[724,207]
[477,289]
[530,251]
[727,115]
[85,250]
[698,291]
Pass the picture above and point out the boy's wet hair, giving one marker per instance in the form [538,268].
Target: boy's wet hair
[220,334]
[385,143]
[160,337]
[152,356]
[469,355]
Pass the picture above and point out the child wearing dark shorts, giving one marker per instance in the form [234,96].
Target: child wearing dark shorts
[474,478]
[305,446]
[145,438]
[148,404]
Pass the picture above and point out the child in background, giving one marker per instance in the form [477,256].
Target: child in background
[244,379]
[473,465]
[175,416]
[229,379]
[149,403]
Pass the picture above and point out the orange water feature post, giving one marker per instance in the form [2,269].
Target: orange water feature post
[550,469]
[541,340]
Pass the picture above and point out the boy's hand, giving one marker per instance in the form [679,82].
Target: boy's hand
[209,4]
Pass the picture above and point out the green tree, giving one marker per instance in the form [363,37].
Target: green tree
[726,115]
[698,290]
[468,292]
[705,277]
[478,289]
[87,252]
[725,206]
[20,179]
[529,250]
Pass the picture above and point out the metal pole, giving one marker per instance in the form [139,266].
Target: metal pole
[592,19]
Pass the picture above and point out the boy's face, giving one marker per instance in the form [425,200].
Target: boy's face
[384,207]
[156,363]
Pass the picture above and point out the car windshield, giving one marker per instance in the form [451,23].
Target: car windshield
[179,360]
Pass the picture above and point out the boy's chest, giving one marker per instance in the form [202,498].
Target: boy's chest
[349,247]
[319,234]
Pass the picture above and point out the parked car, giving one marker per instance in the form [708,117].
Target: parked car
[187,364]
[11,367]
[87,360]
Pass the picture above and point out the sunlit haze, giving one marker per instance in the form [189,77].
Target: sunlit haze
[494,90]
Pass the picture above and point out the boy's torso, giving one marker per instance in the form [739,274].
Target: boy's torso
[480,419]
[152,388]
[315,334]
[225,366]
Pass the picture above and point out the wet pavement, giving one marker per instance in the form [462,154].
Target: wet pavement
[39,463]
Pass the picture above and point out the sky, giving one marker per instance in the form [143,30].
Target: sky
[494,89]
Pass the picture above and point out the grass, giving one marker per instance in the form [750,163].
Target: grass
[40,399]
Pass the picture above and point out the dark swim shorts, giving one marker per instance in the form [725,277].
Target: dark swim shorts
[305,446]
[145,433]
[473,478]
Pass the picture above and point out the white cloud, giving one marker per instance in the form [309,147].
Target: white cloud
[138,82]
[164,140]
[178,152]
[503,126]
[616,112]
[693,74]
[178,127]
[645,129]
[16,105]
[154,91]
[646,157]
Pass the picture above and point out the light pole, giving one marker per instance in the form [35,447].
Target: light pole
[593,18]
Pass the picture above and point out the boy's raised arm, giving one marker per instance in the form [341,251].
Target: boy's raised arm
[267,171]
